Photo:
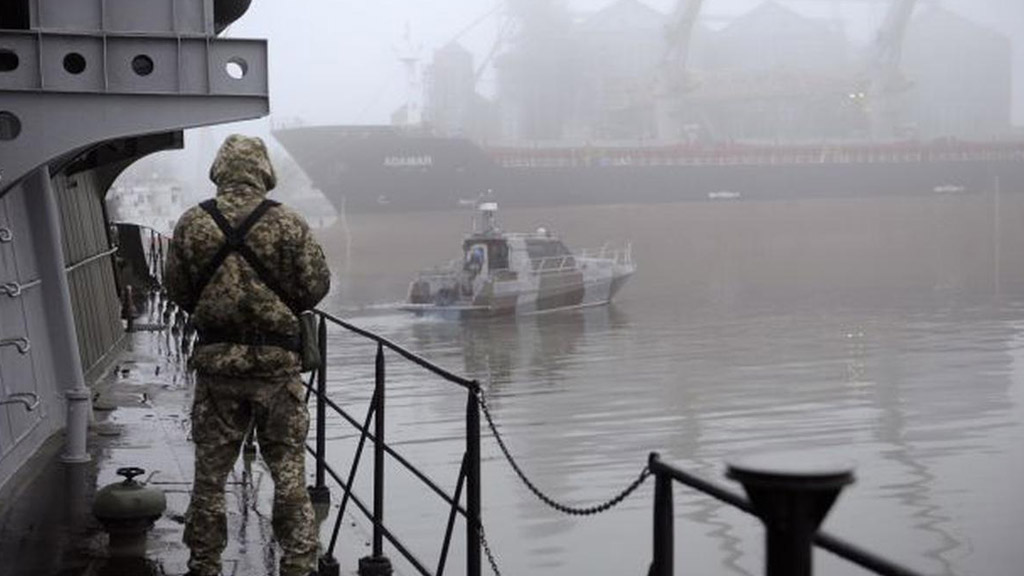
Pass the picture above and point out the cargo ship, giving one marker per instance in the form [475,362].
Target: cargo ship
[381,169]
[768,107]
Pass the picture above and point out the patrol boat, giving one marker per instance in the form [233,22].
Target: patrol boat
[503,273]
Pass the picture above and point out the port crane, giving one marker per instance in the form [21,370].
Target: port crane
[679,36]
[672,79]
[884,81]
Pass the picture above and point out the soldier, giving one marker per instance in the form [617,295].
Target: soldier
[243,267]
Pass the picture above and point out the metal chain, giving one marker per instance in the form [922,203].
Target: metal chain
[487,550]
[571,510]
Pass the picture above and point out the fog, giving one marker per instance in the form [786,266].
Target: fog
[800,284]
[336,61]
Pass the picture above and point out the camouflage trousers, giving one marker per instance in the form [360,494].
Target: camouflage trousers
[223,411]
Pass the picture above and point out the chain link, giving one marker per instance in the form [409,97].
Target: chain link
[566,509]
[487,550]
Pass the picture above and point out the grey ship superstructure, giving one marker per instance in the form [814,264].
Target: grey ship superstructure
[86,88]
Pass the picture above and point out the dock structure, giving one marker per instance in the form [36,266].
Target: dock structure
[88,87]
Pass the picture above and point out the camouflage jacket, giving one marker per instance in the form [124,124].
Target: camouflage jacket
[235,300]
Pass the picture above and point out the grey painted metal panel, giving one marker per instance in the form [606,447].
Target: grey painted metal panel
[72,63]
[84,320]
[247,55]
[50,401]
[8,273]
[16,368]
[66,223]
[100,117]
[194,67]
[140,15]
[96,61]
[26,267]
[70,14]
[26,75]
[21,432]
[163,54]
[93,296]
[8,267]
[190,17]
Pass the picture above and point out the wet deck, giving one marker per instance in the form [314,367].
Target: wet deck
[141,409]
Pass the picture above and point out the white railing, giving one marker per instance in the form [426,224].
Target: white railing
[605,255]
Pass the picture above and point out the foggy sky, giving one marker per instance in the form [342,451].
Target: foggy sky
[336,61]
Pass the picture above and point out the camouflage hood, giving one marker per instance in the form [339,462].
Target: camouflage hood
[242,160]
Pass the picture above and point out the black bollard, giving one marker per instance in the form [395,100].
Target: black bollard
[328,566]
[319,494]
[374,566]
[791,494]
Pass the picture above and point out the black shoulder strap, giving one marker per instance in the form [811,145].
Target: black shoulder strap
[235,242]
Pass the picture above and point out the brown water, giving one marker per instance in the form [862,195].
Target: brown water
[886,332]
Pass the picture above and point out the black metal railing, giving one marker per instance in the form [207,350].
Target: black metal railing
[790,501]
[791,498]
[468,479]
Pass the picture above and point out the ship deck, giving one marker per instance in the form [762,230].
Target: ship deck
[141,419]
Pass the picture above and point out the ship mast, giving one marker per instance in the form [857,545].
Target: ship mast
[409,56]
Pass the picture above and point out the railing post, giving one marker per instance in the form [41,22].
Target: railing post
[791,495]
[377,564]
[473,565]
[320,493]
[664,523]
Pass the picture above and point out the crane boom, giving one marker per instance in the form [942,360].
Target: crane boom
[671,78]
[679,36]
[885,82]
[888,48]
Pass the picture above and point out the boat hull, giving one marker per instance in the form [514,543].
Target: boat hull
[580,288]
[600,294]
[379,169]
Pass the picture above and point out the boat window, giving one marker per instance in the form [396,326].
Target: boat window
[538,249]
[497,255]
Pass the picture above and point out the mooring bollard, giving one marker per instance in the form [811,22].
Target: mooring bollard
[791,494]
[328,566]
[127,510]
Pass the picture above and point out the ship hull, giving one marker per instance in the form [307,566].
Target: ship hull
[383,170]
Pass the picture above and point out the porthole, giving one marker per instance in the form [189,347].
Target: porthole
[142,65]
[74,63]
[10,126]
[8,60]
[237,68]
